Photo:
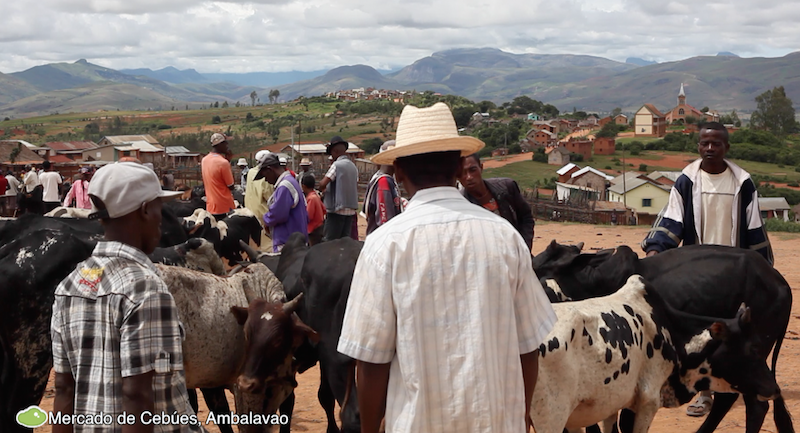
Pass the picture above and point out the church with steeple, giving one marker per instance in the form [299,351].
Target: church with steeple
[683,110]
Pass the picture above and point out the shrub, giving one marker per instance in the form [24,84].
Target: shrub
[794,184]
[608,167]
[164,127]
[539,155]
[779,225]
[215,120]
[642,167]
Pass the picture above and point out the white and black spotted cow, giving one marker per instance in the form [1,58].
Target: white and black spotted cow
[630,350]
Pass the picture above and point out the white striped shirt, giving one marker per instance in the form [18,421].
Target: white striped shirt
[445,291]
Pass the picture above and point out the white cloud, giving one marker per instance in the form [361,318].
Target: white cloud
[280,35]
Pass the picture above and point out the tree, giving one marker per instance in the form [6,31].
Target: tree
[463,115]
[274,94]
[253,96]
[642,167]
[225,104]
[704,110]
[216,104]
[616,112]
[691,120]
[774,112]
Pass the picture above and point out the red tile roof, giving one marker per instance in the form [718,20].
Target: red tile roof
[654,110]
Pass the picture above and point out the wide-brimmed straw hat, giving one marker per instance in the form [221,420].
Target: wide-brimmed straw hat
[426,130]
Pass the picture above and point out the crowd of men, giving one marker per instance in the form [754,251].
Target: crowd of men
[444,279]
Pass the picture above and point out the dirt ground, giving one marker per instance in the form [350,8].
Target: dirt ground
[678,162]
[309,417]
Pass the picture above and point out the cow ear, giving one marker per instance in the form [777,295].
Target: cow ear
[719,331]
[240,313]
[744,316]
[302,330]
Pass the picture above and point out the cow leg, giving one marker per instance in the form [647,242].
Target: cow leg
[217,402]
[609,423]
[625,423]
[645,414]
[287,407]
[328,402]
[755,412]
[722,404]
[193,399]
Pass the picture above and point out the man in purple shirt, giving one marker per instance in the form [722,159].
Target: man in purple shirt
[287,206]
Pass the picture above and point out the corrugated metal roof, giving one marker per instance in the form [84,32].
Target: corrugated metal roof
[773,203]
[593,170]
[63,146]
[565,169]
[631,184]
[176,149]
[121,139]
[311,148]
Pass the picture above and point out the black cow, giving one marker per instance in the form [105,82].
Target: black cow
[184,208]
[323,274]
[239,225]
[30,268]
[707,280]
[172,231]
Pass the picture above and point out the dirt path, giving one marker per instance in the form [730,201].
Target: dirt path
[677,162]
[309,417]
[494,163]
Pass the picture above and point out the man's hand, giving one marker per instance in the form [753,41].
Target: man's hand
[651,253]
[137,397]
[530,372]
[372,382]
[64,400]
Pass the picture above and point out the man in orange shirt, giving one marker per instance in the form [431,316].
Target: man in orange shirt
[218,178]
[316,210]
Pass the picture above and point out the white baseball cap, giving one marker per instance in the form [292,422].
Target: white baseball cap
[124,187]
[260,155]
[217,138]
[242,161]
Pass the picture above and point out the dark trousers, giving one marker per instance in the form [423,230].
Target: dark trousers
[31,202]
[338,226]
[50,205]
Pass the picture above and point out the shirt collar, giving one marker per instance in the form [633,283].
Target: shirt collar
[283,176]
[429,195]
[343,156]
[125,251]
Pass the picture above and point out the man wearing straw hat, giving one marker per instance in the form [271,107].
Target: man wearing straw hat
[445,313]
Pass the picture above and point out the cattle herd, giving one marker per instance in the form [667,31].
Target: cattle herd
[633,335]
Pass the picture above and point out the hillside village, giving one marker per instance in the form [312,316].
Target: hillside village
[579,147]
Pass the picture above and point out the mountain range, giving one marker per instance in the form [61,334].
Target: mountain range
[723,82]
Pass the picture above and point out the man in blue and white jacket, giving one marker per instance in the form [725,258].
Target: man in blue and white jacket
[714,201]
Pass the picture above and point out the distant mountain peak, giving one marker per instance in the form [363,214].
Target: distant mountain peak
[726,54]
[639,62]
[82,62]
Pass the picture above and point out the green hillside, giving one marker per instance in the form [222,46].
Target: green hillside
[90,98]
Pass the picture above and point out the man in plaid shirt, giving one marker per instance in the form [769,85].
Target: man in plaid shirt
[115,327]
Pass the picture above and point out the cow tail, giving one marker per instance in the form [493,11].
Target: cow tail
[783,419]
[781,415]
[351,376]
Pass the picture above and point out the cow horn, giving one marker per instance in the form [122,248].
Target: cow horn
[290,306]
[249,250]
[580,245]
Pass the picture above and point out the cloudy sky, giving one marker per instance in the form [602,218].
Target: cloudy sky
[306,35]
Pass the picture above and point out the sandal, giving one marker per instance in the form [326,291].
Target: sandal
[700,407]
